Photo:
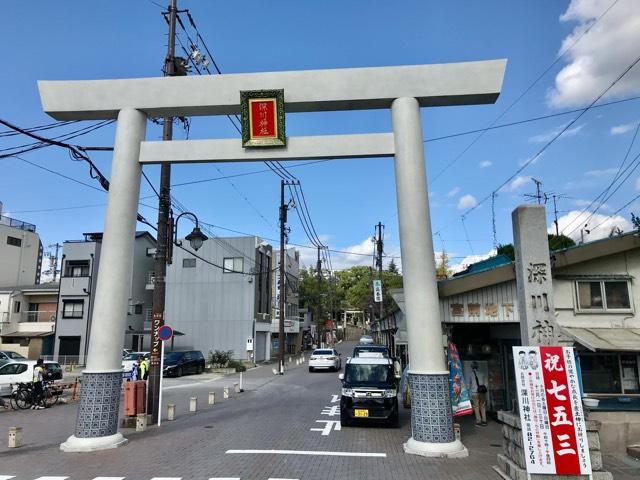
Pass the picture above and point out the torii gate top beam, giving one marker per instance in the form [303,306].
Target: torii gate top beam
[307,90]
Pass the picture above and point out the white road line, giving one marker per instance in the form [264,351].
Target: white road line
[7,477]
[194,384]
[312,452]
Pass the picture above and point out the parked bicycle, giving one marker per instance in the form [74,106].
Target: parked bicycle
[23,393]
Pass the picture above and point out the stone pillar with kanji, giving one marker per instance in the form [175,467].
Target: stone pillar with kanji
[533,276]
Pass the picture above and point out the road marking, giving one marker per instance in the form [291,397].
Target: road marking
[335,398]
[193,384]
[7,477]
[328,426]
[312,452]
[331,411]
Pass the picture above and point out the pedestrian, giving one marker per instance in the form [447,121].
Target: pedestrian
[479,397]
[38,377]
[135,371]
[143,368]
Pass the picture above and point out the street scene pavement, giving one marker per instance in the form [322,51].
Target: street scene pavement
[279,427]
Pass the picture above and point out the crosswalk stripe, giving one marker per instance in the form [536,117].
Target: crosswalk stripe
[7,477]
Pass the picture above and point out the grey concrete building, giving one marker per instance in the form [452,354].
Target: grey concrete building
[20,252]
[79,271]
[220,297]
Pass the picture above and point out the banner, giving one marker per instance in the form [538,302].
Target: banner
[553,425]
[377,291]
[460,401]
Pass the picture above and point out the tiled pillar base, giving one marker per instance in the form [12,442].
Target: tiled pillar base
[432,418]
[97,421]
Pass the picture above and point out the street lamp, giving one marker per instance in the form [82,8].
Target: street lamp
[196,238]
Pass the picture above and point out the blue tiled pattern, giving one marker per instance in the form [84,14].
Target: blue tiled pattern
[431,416]
[99,403]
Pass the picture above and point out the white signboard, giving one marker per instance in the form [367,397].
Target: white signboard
[377,291]
[553,426]
[249,344]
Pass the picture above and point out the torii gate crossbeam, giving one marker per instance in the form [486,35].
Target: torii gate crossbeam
[403,89]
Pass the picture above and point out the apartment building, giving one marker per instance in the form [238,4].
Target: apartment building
[20,252]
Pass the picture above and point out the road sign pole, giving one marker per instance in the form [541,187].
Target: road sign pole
[160,381]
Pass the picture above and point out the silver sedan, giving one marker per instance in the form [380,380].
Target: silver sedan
[325,358]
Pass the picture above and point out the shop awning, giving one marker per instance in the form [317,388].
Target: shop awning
[614,339]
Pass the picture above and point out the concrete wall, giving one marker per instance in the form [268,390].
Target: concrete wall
[19,265]
[214,310]
[617,430]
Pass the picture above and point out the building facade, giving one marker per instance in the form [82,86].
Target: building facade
[28,319]
[20,253]
[79,271]
[220,297]
[293,326]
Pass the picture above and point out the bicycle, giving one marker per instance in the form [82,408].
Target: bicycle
[22,396]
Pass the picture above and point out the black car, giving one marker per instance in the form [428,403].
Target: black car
[379,351]
[178,363]
[369,392]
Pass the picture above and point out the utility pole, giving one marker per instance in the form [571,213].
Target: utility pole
[379,251]
[319,321]
[555,215]
[53,260]
[164,206]
[283,277]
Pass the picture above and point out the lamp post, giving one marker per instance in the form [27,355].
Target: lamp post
[196,238]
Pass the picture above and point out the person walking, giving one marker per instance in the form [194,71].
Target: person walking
[38,378]
[135,371]
[143,367]
[479,396]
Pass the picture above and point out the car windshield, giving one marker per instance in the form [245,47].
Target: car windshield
[173,356]
[14,355]
[323,352]
[133,356]
[369,374]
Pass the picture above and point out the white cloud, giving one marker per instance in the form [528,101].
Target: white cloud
[600,173]
[470,259]
[358,254]
[516,183]
[601,54]
[467,201]
[599,226]
[638,183]
[551,134]
[589,203]
[485,164]
[622,129]
[453,192]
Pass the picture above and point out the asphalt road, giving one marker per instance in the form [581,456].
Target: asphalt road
[280,427]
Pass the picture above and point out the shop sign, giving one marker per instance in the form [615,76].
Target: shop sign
[553,425]
[377,291]
[262,113]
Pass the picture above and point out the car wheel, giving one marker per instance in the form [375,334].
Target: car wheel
[345,421]
[311,369]
[179,372]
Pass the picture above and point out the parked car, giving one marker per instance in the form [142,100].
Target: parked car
[14,371]
[178,363]
[369,391]
[376,351]
[131,359]
[325,358]
[366,340]
[9,355]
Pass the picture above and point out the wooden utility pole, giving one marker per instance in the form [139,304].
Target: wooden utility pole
[283,279]
[164,207]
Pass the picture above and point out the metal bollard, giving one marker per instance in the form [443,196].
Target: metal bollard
[141,422]
[225,392]
[212,398]
[193,404]
[236,387]
[15,437]
[456,430]
[171,412]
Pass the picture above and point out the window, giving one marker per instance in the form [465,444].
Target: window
[149,315]
[16,307]
[603,295]
[609,373]
[77,268]
[13,369]
[233,265]
[188,263]
[137,309]
[72,308]
[16,242]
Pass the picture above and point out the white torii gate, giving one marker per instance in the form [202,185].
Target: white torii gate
[403,89]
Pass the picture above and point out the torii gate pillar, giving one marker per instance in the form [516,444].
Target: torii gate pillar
[404,89]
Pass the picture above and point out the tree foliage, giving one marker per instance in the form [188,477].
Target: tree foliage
[556,242]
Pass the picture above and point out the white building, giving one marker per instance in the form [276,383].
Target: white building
[20,253]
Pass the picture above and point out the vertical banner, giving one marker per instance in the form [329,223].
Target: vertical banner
[377,291]
[553,424]
[460,400]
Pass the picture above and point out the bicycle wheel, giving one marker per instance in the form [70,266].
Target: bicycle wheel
[51,397]
[22,398]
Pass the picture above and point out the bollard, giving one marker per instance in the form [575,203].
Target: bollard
[171,412]
[15,437]
[225,392]
[275,372]
[141,422]
[212,398]
[241,389]
[289,359]
[236,387]
[456,430]
[193,404]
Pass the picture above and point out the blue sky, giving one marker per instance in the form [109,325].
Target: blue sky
[123,39]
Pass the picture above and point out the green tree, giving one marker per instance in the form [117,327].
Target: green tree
[442,267]
[556,242]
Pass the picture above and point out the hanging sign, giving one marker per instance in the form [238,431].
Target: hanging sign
[377,291]
[262,114]
[553,426]
[460,400]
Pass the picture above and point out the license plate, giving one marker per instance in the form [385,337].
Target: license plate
[358,412]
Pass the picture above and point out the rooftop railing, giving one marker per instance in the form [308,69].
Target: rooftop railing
[12,222]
